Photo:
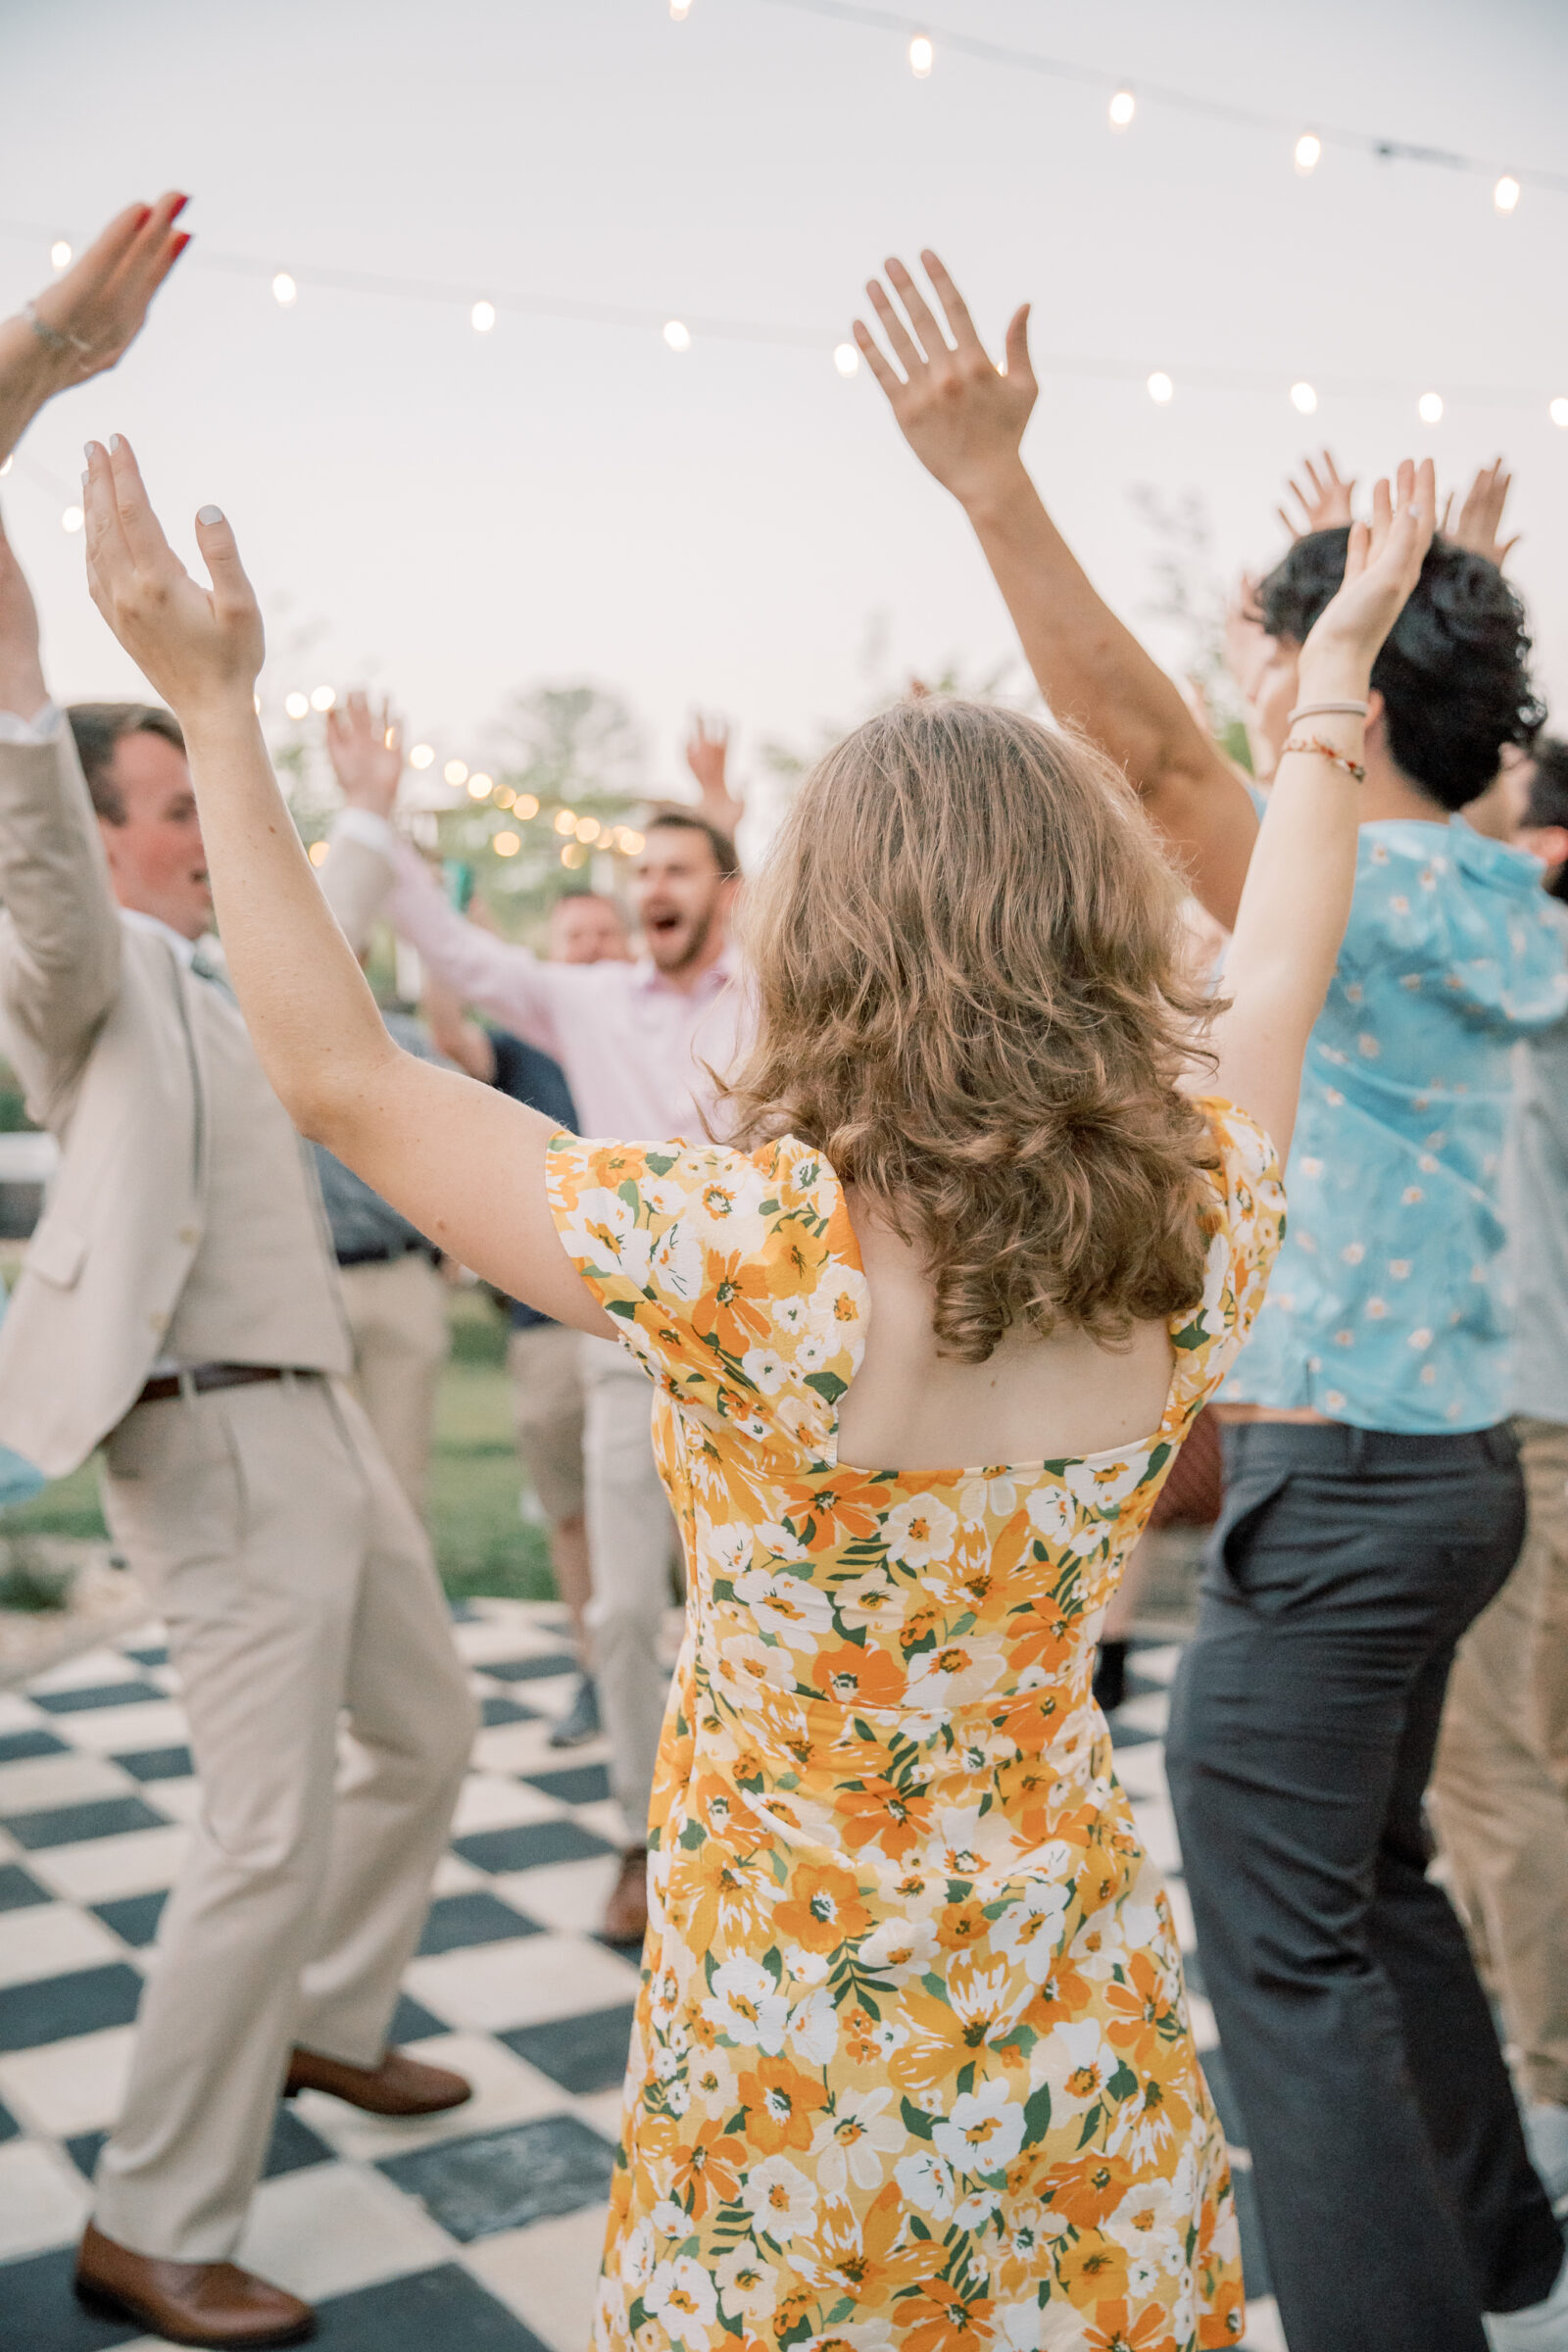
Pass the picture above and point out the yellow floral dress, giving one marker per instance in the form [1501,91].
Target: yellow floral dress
[911,2069]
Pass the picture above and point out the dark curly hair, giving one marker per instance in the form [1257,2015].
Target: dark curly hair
[1547,804]
[1454,674]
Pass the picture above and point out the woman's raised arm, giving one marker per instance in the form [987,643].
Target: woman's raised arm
[462,1163]
[1297,898]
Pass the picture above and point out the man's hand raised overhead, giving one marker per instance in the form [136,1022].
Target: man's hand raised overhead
[962,415]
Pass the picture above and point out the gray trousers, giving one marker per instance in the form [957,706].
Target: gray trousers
[1396,2200]
[632,1545]
[330,1725]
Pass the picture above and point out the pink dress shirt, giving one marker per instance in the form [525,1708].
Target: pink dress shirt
[632,1045]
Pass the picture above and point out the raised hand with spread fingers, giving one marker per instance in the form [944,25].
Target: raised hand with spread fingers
[88,317]
[707,757]
[1480,523]
[964,418]
[1325,503]
[440,1148]
[366,748]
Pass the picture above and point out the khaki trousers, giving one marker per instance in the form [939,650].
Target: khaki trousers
[1499,1793]
[397,1315]
[632,1547]
[300,1596]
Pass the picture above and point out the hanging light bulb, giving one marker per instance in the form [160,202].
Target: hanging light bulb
[482,317]
[1304,399]
[526,805]
[1557,411]
[507,845]
[1160,388]
[1507,192]
[923,55]
[845,359]
[1428,408]
[1122,108]
[1308,152]
[323,698]
[677,334]
[296,705]
[565,820]
[284,291]
[71,520]
[456,772]
[60,255]
[680,10]
[422,756]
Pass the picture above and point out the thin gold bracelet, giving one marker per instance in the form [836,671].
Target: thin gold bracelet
[1325,751]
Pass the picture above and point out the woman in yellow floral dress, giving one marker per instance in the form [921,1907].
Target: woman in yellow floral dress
[912,2063]
[911,2069]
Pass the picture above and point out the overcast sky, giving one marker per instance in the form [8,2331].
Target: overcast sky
[464,516]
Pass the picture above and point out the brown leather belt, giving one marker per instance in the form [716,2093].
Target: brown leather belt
[202,1377]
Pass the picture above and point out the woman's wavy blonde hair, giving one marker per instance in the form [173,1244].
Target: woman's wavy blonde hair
[968,957]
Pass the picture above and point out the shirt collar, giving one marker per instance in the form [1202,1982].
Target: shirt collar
[155,928]
[646,976]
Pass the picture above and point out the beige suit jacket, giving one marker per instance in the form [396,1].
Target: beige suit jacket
[97,1020]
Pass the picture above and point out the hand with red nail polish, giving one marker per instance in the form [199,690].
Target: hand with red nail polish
[88,317]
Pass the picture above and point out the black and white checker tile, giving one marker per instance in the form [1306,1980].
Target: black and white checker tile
[481,2229]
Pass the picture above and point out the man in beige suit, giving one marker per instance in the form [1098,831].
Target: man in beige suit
[179,1304]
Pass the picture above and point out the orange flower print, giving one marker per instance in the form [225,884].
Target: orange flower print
[940,2320]
[1141,2014]
[1092,2267]
[1117,2330]
[708,2170]
[961,1925]
[879,1814]
[854,1675]
[1085,2191]
[825,1908]
[781,2105]
[735,1303]
[861,2114]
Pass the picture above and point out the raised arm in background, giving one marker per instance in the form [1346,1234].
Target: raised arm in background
[462,1163]
[1479,523]
[1296,899]
[1325,503]
[59,932]
[707,757]
[87,319]
[964,418]
[372,873]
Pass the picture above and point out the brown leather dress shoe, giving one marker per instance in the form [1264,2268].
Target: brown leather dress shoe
[399,2086]
[626,1912]
[188,2302]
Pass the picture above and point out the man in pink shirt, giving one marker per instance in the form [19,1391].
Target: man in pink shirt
[636,1041]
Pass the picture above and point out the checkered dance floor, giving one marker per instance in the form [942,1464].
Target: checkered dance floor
[479,2230]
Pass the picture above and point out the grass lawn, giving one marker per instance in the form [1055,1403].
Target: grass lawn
[482,1543]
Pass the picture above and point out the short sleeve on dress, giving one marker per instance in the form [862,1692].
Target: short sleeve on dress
[1246,1228]
[734,1277]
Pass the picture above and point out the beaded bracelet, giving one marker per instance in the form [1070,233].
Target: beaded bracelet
[1325,751]
[1328,710]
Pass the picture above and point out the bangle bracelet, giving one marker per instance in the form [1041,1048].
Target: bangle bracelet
[1320,749]
[50,336]
[1328,710]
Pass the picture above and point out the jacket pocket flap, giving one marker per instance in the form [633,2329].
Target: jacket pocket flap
[57,1253]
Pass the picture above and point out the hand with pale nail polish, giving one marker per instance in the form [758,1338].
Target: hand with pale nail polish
[199,648]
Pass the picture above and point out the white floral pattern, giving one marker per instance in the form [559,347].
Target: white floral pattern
[911,2069]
